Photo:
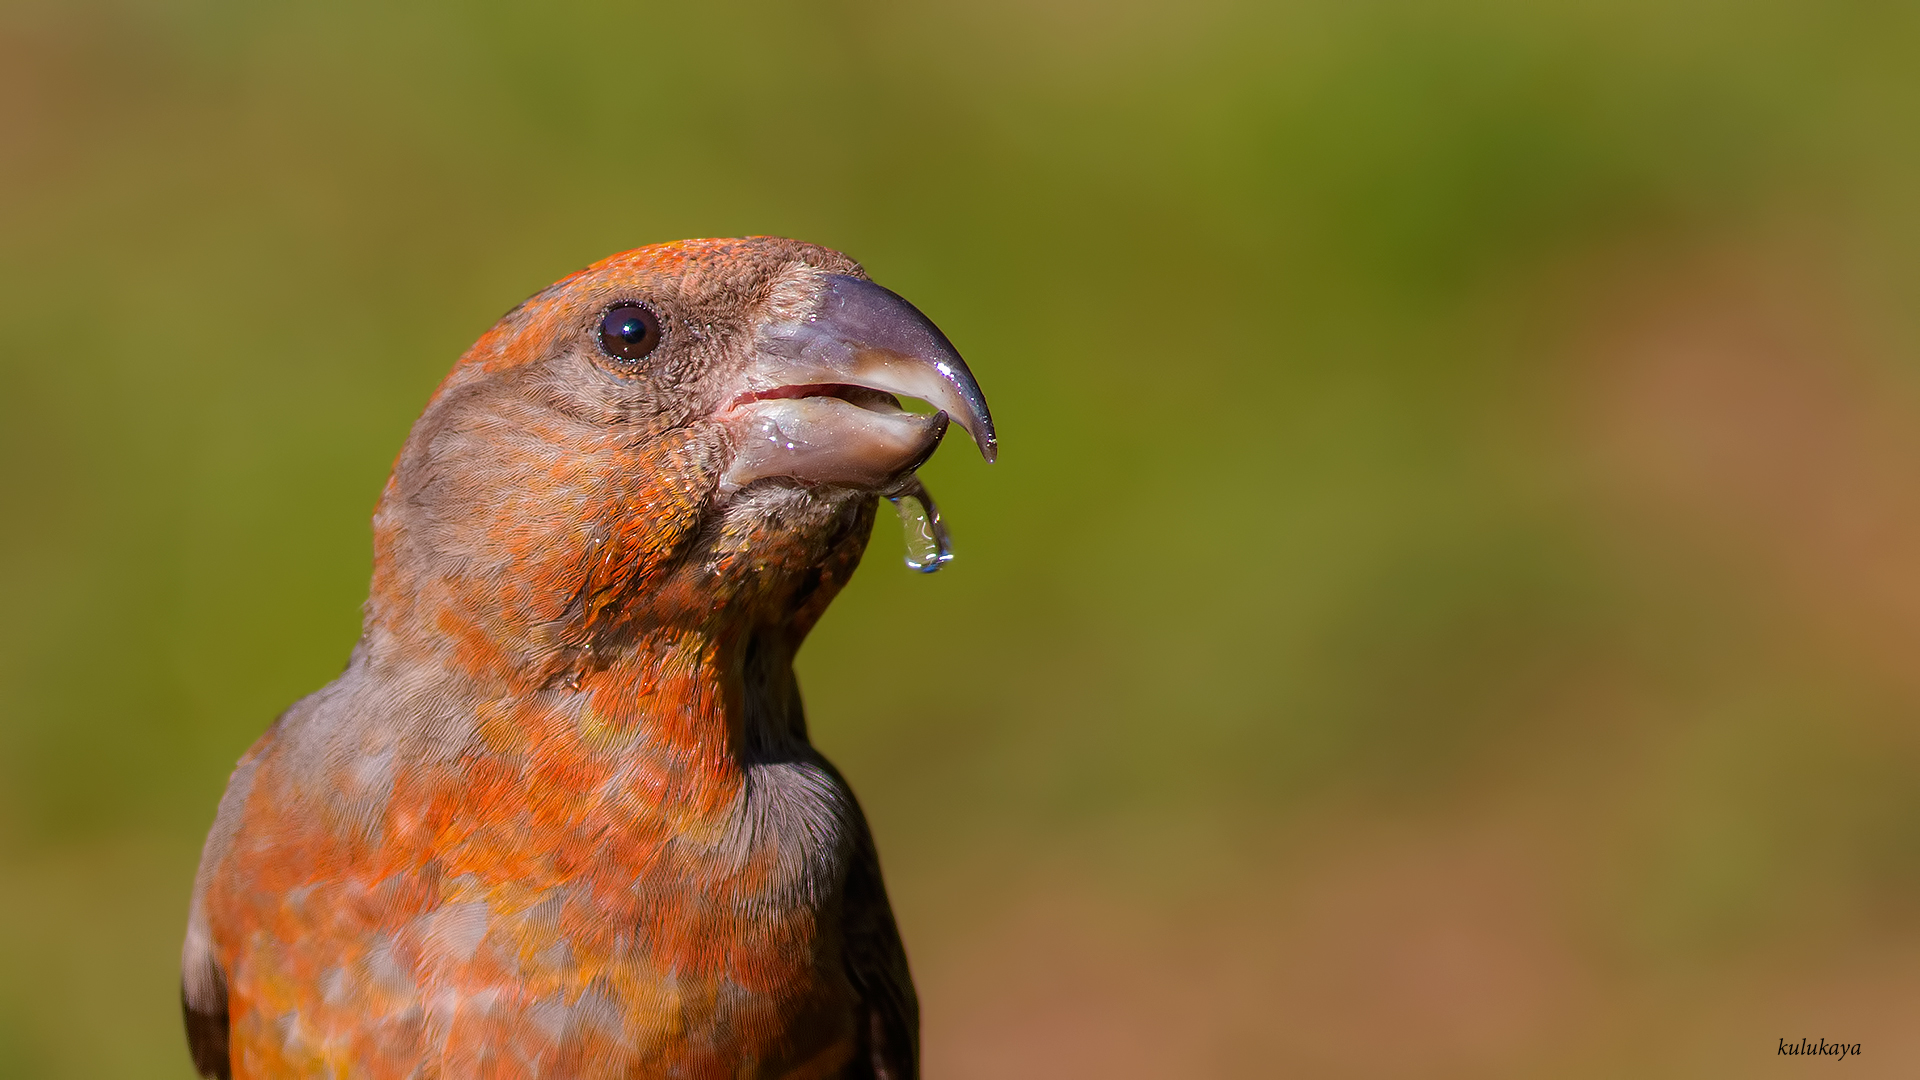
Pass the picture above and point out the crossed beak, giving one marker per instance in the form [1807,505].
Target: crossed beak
[821,402]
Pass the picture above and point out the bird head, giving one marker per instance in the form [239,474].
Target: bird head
[689,438]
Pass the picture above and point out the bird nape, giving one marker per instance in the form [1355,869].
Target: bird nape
[560,817]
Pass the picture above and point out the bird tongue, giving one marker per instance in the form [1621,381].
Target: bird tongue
[928,546]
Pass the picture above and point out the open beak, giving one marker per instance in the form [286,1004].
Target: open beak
[821,402]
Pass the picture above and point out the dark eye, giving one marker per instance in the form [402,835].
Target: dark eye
[628,332]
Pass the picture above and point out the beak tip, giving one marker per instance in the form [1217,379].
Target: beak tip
[984,435]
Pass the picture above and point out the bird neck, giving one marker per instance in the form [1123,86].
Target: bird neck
[668,729]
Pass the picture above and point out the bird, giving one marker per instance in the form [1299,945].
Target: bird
[559,816]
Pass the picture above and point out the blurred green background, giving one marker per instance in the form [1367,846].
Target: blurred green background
[1448,605]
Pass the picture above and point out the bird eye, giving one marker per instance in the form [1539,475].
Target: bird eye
[628,332]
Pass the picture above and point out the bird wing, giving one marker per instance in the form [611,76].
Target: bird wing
[877,966]
[204,1007]
[203,983]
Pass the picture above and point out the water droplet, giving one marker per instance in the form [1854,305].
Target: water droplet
[928,546]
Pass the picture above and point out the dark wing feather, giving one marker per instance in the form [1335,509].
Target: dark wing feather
[877,967]
[207,1031]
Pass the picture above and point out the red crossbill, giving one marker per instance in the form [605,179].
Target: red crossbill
[560,817]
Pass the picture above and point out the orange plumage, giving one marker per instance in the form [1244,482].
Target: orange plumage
[559,817]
